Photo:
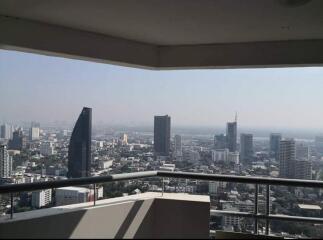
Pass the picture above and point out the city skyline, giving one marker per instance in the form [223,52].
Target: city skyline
[37,86]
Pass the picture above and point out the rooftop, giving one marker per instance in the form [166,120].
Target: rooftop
[309,207]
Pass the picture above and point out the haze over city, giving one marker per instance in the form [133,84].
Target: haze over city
[49,89]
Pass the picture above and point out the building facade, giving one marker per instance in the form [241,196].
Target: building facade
[220,141]
[72,195]
[79,151]
[34,133]
[319,144]
[18,141]
[41,198]
[303,151]
[47,148]
[274,142]
[303,169]
[231,136]
[246,147]
[287,157]
[5,162]
[178,151]
[162,126]
[6,131]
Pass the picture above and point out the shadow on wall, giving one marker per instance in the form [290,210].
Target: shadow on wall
[149,218]
[57,226]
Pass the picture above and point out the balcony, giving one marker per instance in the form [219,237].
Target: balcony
[147,215]
[177,35]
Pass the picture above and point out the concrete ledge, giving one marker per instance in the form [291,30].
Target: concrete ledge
[148,215]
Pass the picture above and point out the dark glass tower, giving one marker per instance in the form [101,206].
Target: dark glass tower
[220,141]
[275,139]
[18,141]
[246,147]
[162,135]
[79,150]
[232,136]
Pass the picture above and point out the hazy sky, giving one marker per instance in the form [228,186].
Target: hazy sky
[47,89]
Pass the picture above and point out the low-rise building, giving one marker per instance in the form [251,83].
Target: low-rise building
[41,198]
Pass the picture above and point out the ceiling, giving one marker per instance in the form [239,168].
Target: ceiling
[167,33]
[179,22]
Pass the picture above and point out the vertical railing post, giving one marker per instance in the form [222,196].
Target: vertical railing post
[256,210]
[53,202]
[267,207]
[185,185]
[11,205]
[163,186]
[94,194]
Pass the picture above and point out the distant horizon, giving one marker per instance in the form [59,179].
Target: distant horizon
[42,88]
[151,124]
[258,132]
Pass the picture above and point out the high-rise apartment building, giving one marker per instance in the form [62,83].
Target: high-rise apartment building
[18,141]
[220,155]
[231,136]
[234,157]
[79,151]
[303,151]
[5,162]
[274,143]
[124,139]
[178,146]
[220,141]
[47,148]
[302,169]
[162,135]
[292,166]
[6,131]
[246,147]
[319,144]
[34,133]
[287,157]
[41,198]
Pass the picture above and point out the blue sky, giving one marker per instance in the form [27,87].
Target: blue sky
[47,89]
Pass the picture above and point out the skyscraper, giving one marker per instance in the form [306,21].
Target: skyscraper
[246,147]
[79,151]
[6,131]
[34,133]
[274,144]
[124,139]
[302,169]
[35,124]
[5,162]
[303,152]
[162,135]
[18,141]
[220,141]
[232,135]
[178,146]
[287,157]
[319,144]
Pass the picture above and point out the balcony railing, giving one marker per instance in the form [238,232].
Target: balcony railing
[14,188]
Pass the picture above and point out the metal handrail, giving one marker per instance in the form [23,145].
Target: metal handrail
[13,188]
[243,179]
[25,187]
[277,217]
